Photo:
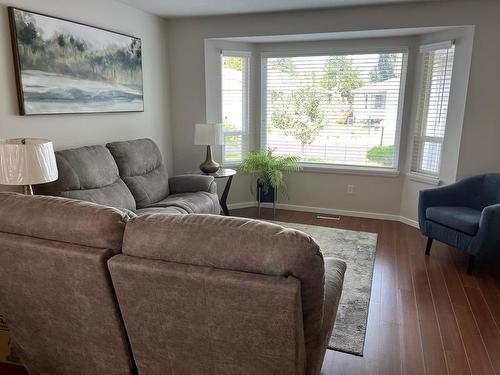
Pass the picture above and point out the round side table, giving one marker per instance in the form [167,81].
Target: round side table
[222,173]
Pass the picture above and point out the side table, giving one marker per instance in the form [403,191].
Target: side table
[222,173]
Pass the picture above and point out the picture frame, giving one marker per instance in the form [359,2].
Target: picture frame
[67,67]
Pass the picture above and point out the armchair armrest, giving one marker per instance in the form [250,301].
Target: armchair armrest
[191,184]
[449,195]
[488,235]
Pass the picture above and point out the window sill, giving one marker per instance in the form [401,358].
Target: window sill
[337,169]
[352,170]
[429,180]
[231,165]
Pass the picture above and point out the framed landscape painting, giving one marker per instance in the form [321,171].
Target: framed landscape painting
[67,67]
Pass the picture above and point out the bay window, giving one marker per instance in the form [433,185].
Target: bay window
[334,109]
[432,108]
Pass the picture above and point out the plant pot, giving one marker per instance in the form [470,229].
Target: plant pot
[265,192]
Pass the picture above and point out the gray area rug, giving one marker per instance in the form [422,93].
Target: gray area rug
[357,249]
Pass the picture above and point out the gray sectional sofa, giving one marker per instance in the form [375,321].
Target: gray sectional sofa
[130,175]
[88,290]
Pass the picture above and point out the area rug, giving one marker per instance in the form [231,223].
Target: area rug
[357,249]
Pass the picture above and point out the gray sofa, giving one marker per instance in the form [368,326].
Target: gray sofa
[130,175]
[86,290]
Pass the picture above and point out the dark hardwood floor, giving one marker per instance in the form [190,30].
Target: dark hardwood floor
[427,316]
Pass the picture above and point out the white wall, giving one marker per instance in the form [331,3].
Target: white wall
[76,130]
[463,38]
[478,150]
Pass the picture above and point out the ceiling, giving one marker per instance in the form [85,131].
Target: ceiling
[192,8]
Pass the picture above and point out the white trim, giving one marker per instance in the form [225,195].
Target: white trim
[327,51]
[410,222]
[348,169]
[335,169]
[401,103]
[436,46]
[263,103]
[235,53]
[334,211]
[235,206]
[329,211]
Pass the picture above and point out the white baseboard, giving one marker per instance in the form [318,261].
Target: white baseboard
[234,206]
[409,222]
[328,211]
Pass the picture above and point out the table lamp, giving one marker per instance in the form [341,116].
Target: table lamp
[27,161]
[209,135]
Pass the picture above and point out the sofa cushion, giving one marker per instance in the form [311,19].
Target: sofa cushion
[235,244]
[64,220]
[161,210]
[193,203]
[141,167]
[89,173]
[463,219]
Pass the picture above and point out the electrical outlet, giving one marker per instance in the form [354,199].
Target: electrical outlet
[350,189]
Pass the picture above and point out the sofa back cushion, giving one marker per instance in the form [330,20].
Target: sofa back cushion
[56,294]
[89,173]
[141,167]
[185,319]
[235,244]
[63,220]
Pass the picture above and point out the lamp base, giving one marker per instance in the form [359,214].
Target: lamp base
[209,165]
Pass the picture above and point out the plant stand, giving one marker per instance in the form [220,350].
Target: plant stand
[275,198]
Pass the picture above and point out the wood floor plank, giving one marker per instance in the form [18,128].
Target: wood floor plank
[479,360]
[486,324]
[455,355]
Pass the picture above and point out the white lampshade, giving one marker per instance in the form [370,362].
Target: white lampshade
[27,161]
[208,134]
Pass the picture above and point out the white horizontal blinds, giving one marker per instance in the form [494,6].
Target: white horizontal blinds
[432,108]
[235,105]
[334,109]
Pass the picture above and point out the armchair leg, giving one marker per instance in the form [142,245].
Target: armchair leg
[428,247]
[470,266]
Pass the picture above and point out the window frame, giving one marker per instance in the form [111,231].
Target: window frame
[245,130]
[422,113]
[340,168]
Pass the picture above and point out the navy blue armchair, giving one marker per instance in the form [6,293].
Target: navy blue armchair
[465,215]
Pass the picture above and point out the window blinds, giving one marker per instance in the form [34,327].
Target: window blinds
[334,109]
[432,108]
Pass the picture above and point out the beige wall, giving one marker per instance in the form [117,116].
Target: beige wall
[478,150]
[76,130]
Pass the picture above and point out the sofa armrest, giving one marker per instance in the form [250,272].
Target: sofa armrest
[334,282]
[192,184]
[488,235]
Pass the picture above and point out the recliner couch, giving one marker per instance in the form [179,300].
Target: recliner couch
[130,175]
[86,290]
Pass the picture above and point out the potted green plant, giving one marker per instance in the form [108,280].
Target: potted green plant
[269,170]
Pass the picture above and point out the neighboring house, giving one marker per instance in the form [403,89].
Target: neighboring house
[375,104]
